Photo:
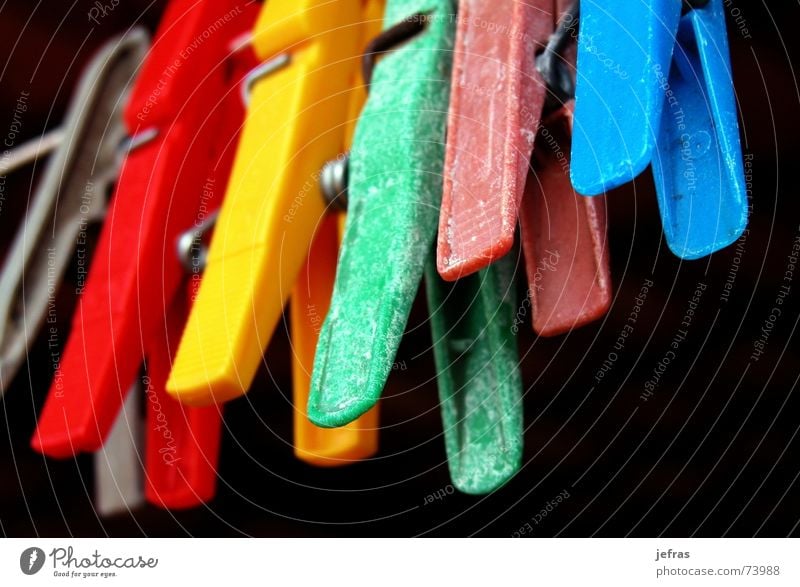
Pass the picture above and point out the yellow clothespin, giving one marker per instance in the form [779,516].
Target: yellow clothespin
[296,121]
[311,299]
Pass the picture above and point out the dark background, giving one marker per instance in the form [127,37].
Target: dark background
[713,452]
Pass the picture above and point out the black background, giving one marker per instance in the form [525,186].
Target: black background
[713,452]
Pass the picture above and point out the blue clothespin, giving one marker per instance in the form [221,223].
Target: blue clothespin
[655,87]
[697,166]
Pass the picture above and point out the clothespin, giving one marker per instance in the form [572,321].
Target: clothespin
[311,299]
[697,166]
[118,486]
[480,387]
[633,95]
[70,196]
[563,234]
[181,99]
[298,103]
[496,101]
[563,238]
[394,193]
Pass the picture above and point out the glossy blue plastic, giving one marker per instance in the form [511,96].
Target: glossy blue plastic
[624,53]
[698,169]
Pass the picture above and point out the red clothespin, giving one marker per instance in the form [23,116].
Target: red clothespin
[563,233]
[130,311]
[181,442]
[495,123]
[496,101]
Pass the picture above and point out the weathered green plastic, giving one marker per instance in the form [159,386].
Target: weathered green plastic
[480,387]
[394,193]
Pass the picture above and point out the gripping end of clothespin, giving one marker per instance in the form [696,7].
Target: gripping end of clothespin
[564,240]
[699,174]
[480,387]
[332,410]
[345,386]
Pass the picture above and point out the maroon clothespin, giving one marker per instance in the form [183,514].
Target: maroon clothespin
[563,237]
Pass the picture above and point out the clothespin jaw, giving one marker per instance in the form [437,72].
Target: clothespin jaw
[496,102]
[71,195]
[324,447]
[624,54]
[563,238]
[272,206]
[698,169]
[480,387]
[158,195]
[394,194]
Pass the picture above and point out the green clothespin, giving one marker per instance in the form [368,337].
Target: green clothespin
[394,193]
[480,387]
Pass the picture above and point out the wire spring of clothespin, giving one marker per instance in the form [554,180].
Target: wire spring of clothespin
[191,250]
[388,40]
[551,62]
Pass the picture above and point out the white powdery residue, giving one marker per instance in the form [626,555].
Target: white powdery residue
[528,135]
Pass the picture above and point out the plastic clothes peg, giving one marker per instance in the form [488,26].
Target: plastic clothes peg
[563,238]
[70,196]
[309,306]
[295,123]
[698,169]
[136,274]
[624,54]
[118,484]
[394,194]
[496,101]
[480,387]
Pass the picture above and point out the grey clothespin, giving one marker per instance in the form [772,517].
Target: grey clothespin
[118,476]
[72,194]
